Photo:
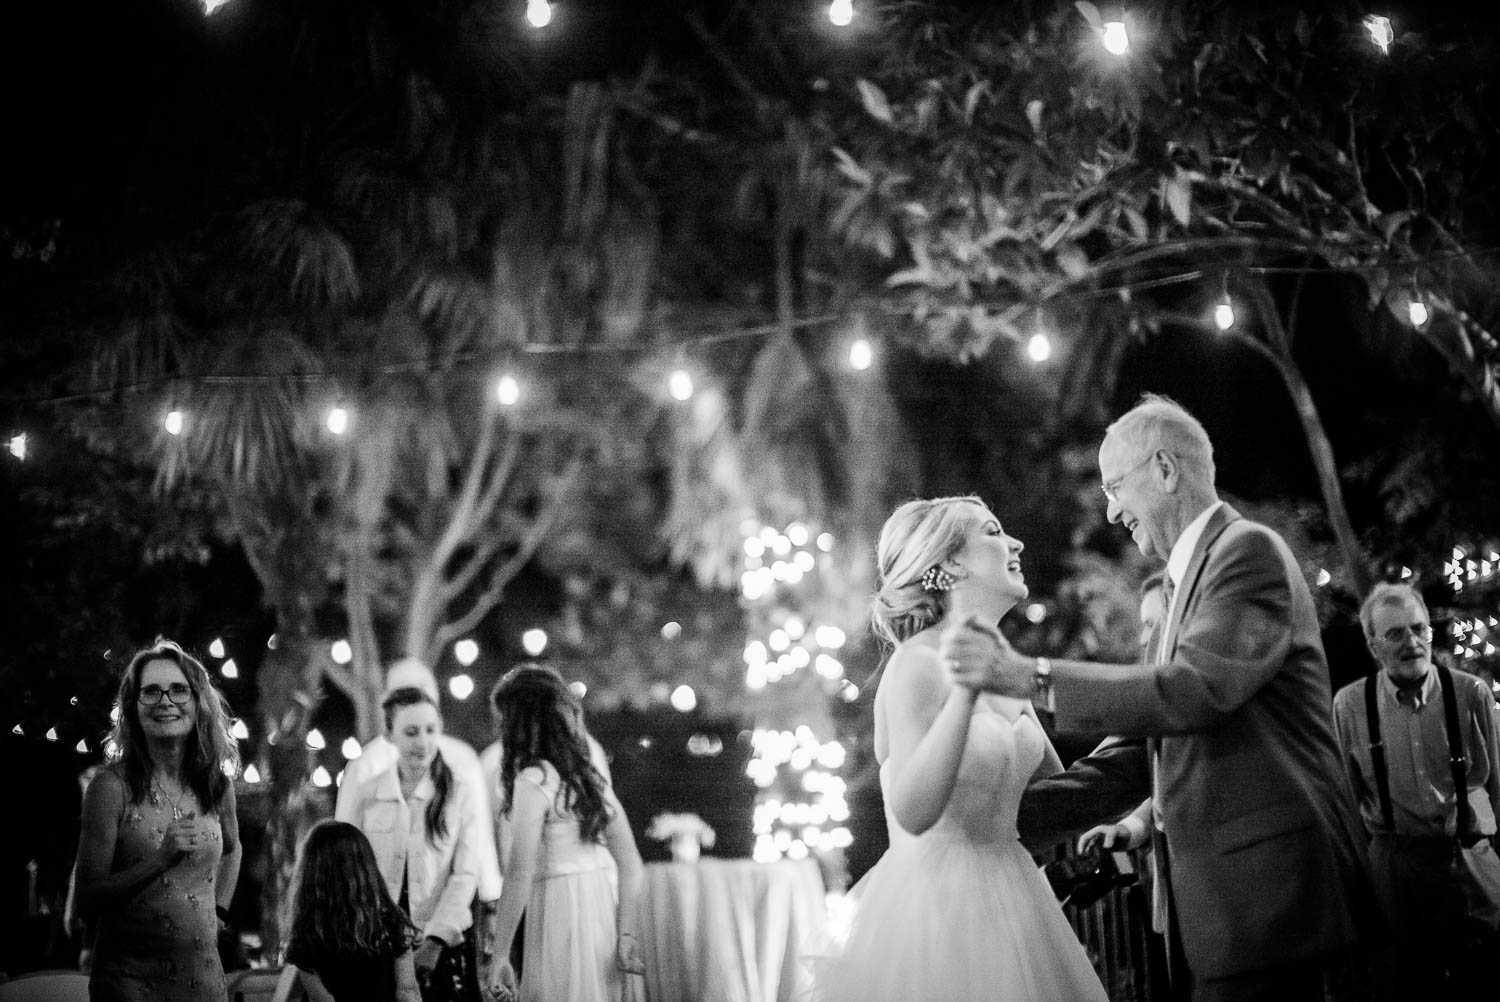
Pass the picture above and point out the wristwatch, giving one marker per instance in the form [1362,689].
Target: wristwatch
[1043,697]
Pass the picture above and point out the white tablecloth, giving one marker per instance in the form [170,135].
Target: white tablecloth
[722,930]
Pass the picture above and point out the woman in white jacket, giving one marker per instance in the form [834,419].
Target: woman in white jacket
[419,816]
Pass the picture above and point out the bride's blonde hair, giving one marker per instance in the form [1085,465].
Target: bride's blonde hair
[917,536]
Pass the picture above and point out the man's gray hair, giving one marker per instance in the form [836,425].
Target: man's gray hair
[1159,422]
[1388,593]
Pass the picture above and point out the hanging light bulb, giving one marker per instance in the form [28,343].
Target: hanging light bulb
[229,669]
[351,749]
[173,422]
[209,6]
[462,686]
[338,420]
[1379,28]
[1116,40]
[315,740]
[466,652]
[252,774]
[861,355]
[239,731]
[539,13]
[18,446]
[1418,313]
[534,641]
[841,12]
[320,778]
[1224,315]
[507,391]
[1039,348]
[341,652]
[680,384]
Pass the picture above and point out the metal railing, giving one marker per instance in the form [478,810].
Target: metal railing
[1116,933]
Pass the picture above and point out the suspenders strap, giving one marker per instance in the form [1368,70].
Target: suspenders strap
[1457,763]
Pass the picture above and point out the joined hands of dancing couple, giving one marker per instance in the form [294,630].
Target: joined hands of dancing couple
[976,655]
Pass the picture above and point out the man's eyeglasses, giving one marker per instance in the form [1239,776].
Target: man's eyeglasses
[177,692]
[1397,634]
[1112,489]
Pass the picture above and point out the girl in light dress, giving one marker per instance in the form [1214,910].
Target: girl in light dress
[572,867]
[956,910]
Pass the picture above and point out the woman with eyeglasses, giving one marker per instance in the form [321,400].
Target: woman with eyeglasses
[159,851]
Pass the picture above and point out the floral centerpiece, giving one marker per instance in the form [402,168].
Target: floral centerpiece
[686,834]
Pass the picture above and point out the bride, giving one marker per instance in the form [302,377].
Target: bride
[956,909]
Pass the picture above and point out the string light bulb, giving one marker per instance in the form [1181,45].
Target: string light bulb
[18,446]
[507,391]
[841,12]
[173,422]
[216,648]
[338,420]
[341,652]
[210,6]
[861,355]
[1379,29]
[1039,348]
[1224,315]
[680,384]
[534,641]
[1115,38]
[538,13]
[466,652]
[229,669]
[1418,313]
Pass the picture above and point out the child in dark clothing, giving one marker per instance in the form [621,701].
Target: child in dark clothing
[349,942]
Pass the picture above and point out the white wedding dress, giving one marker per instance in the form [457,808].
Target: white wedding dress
[960,912]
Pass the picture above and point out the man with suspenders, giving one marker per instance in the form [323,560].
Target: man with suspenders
[1420,744]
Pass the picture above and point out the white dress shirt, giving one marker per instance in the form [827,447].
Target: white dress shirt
[441,877]
[379,754]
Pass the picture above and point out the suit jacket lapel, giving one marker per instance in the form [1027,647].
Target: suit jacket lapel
[1217,523]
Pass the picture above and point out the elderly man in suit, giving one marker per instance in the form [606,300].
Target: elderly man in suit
[1255,830]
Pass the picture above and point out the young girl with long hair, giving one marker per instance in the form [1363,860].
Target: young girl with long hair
[350,941]
[420,819]
[573,867]
[159,850]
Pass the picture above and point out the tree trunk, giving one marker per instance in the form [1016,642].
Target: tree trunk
[291,805]
[1279,351]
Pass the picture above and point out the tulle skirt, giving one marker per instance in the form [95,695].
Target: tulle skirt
[943,919]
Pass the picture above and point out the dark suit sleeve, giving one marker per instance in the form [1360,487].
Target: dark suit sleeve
[1235,637]
[1109,781]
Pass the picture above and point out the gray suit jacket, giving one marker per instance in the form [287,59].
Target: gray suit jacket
[1266,865]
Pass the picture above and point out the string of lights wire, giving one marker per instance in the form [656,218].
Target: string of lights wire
[541,349]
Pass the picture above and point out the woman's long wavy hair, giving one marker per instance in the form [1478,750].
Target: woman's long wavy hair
[212,757]
[918,536]
[541,721]
[340,905]
[442,776]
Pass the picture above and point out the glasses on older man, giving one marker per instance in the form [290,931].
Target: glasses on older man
[177,692]
[1112,489]
[1397,634]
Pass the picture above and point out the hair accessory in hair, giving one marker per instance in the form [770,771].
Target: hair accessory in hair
[937,579]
